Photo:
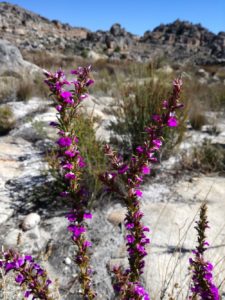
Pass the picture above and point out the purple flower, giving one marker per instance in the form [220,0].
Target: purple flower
[123,169]
[145,228]
[27,294]
[172,122]
[64,194]
[69,153]
[156,118]
[82,97]
[81,162]
[48,282]
[89,82]
[68,101]
[130,239]
[141,249]
[145,170]
[87,216]
[140,149]
[61,132]
[77,231]
[64,141]
[68,166]
[145,241]
[71,217]
[87,244]
[54,124]
[177,83]
[129,226]
[58,108]
[66,95]
[20,278]
[70,176]
[19,262]
[209,266]
[9,266]
[138,193]
[28,258]
[140,291]
[157,143]
[165,104]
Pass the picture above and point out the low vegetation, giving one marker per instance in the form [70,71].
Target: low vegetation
[7,121]
[138,101]
[92,151]
[205,158]
[145,112]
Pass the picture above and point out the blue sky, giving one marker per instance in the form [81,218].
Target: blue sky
[136,16]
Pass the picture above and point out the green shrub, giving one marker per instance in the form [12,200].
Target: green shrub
[197,118]
[24,90]
[117,49]
[38,89]
[27,88]
[206,158]
[7,88]
[91,150]
[139,101]
[209,96]
[84,53]
[7,121]
[5,94]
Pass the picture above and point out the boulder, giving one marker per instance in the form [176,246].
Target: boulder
[12,62]
[117,30]
[30,221]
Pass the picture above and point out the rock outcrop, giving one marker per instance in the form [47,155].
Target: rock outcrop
[12,62]
[30,31]
[186,40]
[179,40]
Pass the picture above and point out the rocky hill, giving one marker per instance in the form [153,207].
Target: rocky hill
[33,32]
[179,40]
[188,40]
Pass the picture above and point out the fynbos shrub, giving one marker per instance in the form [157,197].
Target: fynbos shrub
[206,158]
[71,164]
[7,121]
[131,173]
[139,101]
[29,274]
[202,279]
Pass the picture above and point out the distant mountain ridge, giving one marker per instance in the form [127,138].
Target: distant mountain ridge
[180,40]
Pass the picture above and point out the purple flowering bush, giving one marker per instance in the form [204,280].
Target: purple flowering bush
[202,284]
[123,178]
[29,274]
[71,164]
[131,173]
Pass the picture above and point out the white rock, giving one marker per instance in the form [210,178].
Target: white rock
[31,221]
[11,237]
[21,109]
[96,56]
[167,69]
[12,61]
[67,261]
[173,235]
